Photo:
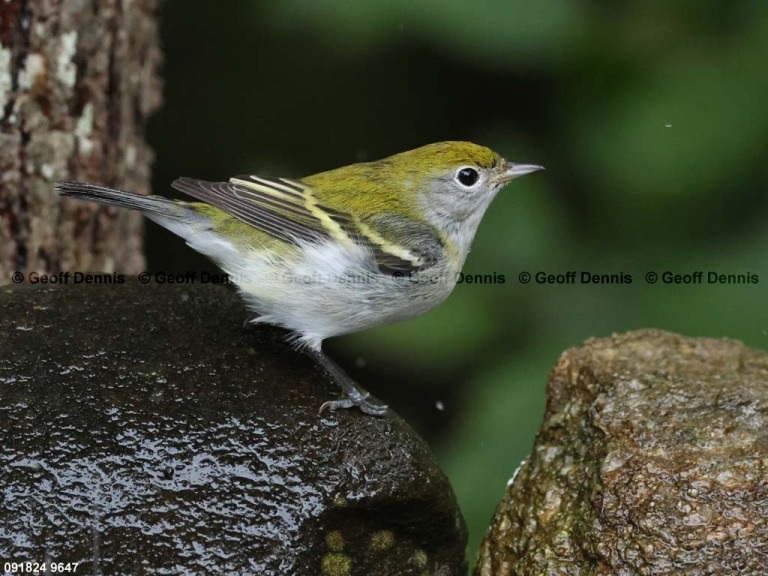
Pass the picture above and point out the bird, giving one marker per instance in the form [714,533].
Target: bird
[340,251]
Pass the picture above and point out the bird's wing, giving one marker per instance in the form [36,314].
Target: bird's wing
[288,210]
[283,208]
[399,244]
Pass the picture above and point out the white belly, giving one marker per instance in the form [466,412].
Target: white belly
[328,291]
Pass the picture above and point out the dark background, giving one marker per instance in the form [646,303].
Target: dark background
[651,119]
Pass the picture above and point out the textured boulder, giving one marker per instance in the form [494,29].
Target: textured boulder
[652,459]
[144,431]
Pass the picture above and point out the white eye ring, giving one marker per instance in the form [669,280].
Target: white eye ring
[467,176]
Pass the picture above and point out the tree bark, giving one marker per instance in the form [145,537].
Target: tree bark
[78,80]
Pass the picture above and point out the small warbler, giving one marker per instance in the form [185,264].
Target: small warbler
[340,251]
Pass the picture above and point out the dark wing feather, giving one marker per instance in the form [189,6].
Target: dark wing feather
[288,210]
[401,245]
[279,210]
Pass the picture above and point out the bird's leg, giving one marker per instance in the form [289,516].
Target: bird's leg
[356,396]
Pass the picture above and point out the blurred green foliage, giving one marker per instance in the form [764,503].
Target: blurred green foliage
[650,117]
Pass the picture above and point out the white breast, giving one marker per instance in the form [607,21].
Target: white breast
[329,290]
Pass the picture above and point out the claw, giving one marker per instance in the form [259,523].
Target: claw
[355,395]
[335,405]
[365,406]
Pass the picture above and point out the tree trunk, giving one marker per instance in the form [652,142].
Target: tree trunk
[78,80]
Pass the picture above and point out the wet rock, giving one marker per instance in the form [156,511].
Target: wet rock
[143,430]
[652,459]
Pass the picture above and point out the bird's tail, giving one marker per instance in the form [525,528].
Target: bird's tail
[156,206]
[181,218]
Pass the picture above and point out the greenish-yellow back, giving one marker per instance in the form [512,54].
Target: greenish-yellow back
[387,185]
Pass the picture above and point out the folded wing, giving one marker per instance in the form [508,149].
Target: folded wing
[288,210]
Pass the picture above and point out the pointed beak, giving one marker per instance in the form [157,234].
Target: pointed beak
[512,171]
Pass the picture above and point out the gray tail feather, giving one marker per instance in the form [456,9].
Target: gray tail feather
[152,205]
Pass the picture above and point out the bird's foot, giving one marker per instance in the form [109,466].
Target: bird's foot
[356,397]
[361,402]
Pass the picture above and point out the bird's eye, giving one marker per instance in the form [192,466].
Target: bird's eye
[467,176]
